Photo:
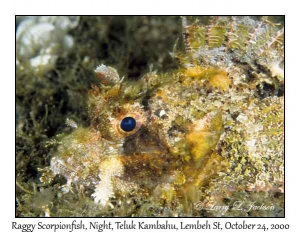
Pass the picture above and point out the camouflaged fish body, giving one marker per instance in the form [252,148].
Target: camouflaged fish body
[211,131]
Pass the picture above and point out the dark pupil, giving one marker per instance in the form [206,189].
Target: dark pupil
[128,124]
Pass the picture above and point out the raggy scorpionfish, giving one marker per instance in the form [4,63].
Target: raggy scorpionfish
[181,143]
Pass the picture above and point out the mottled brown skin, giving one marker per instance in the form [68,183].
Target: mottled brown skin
[185,120]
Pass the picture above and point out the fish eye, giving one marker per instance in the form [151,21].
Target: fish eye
[128,124]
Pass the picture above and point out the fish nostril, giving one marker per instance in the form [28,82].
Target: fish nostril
[128,124]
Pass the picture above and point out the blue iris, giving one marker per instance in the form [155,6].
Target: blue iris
[128,124]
